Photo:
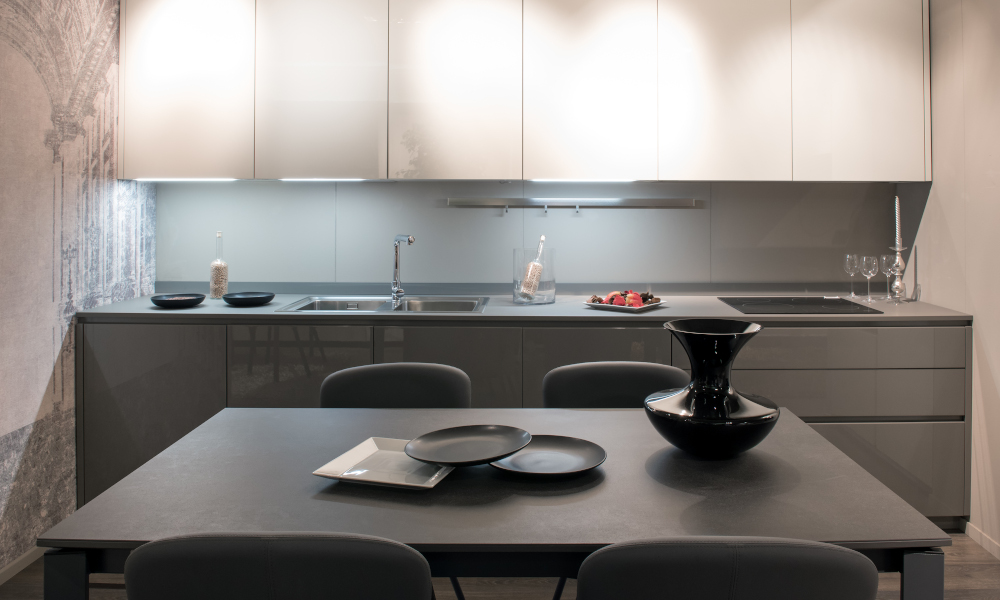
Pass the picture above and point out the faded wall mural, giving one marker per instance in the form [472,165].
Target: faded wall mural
[71,237]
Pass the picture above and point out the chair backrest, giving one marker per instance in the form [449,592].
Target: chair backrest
[608,384]
[276,566]
[397,385]
[727,568]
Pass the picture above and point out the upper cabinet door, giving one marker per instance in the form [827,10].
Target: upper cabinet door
[725,90]
[858,90]
[455,89]
[321,89]
[590,89]
[188,98]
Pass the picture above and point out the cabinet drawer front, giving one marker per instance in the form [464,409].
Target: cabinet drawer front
[921,347]
[283,366]
[860,393]
[490,356]
[848,348]
[922,462]
[548,348]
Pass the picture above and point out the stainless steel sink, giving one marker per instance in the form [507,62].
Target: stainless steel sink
[371,304]
[442,304]
[337,304]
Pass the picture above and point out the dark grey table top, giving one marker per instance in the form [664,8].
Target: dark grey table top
[250,470]
[501,309]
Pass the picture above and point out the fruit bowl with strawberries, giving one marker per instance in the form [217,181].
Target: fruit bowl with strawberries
[626,301]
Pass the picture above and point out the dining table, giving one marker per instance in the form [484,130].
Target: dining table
[251,470]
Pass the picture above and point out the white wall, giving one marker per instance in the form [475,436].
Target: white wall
[342,232]
[957,237]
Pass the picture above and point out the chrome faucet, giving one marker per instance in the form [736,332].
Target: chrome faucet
[397,289]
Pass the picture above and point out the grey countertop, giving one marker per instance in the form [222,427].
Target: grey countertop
[567,309]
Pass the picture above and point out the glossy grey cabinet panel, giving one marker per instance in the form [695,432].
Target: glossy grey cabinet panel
[849,348]
[922,462]
[859,392]
[921,347]
[934,392]
[814,393]
[490,356]
[144,388]
[282,366]
[803,348]
[548,348]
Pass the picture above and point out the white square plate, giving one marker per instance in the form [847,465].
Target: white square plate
[381,461]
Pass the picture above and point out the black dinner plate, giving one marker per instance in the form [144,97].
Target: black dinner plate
[553,455]
[177,300]
[467,445]
[248,298]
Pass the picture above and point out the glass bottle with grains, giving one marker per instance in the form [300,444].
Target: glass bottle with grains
[218,281]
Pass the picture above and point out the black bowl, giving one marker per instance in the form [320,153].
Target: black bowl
[722,437]
[177,300]
[248,298]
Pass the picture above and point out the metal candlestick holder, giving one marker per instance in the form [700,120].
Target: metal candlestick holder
[897,291]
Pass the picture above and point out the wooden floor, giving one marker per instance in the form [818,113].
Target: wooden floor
[971,573]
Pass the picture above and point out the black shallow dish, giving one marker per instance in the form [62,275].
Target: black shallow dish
[467,445]
[553,455]
[248,298]
[177,300]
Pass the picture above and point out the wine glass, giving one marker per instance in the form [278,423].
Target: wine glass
[888,262]
[852,267]
[869,268]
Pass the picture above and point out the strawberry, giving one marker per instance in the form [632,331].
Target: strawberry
[619,300]
[609,299]
[633,299]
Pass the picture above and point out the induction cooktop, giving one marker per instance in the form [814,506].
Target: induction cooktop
[797,305]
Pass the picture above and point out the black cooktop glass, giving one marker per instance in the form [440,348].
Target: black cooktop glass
[797,305]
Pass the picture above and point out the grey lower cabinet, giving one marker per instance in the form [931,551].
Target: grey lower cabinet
[491,356]
[283,366]
[922,462]
[143,388]
[546,348]
[895,399]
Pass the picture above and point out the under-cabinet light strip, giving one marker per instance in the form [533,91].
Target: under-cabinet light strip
[576,202]
[184,179]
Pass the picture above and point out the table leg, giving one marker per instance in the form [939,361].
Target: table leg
[66,576]
[923,575]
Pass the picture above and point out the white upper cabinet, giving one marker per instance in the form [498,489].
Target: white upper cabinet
[188,78]
[725,90]
[455,89]
[590,89]
[858,90]
[321,89]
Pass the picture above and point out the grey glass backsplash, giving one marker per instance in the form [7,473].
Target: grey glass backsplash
[342,232]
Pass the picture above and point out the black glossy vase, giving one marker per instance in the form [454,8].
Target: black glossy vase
[709,418]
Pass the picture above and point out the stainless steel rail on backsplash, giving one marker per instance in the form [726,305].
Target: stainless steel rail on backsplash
[577,203]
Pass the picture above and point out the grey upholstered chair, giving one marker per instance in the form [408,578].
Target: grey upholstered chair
[277,566]
[608,384]
[727,568]
[397,385]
